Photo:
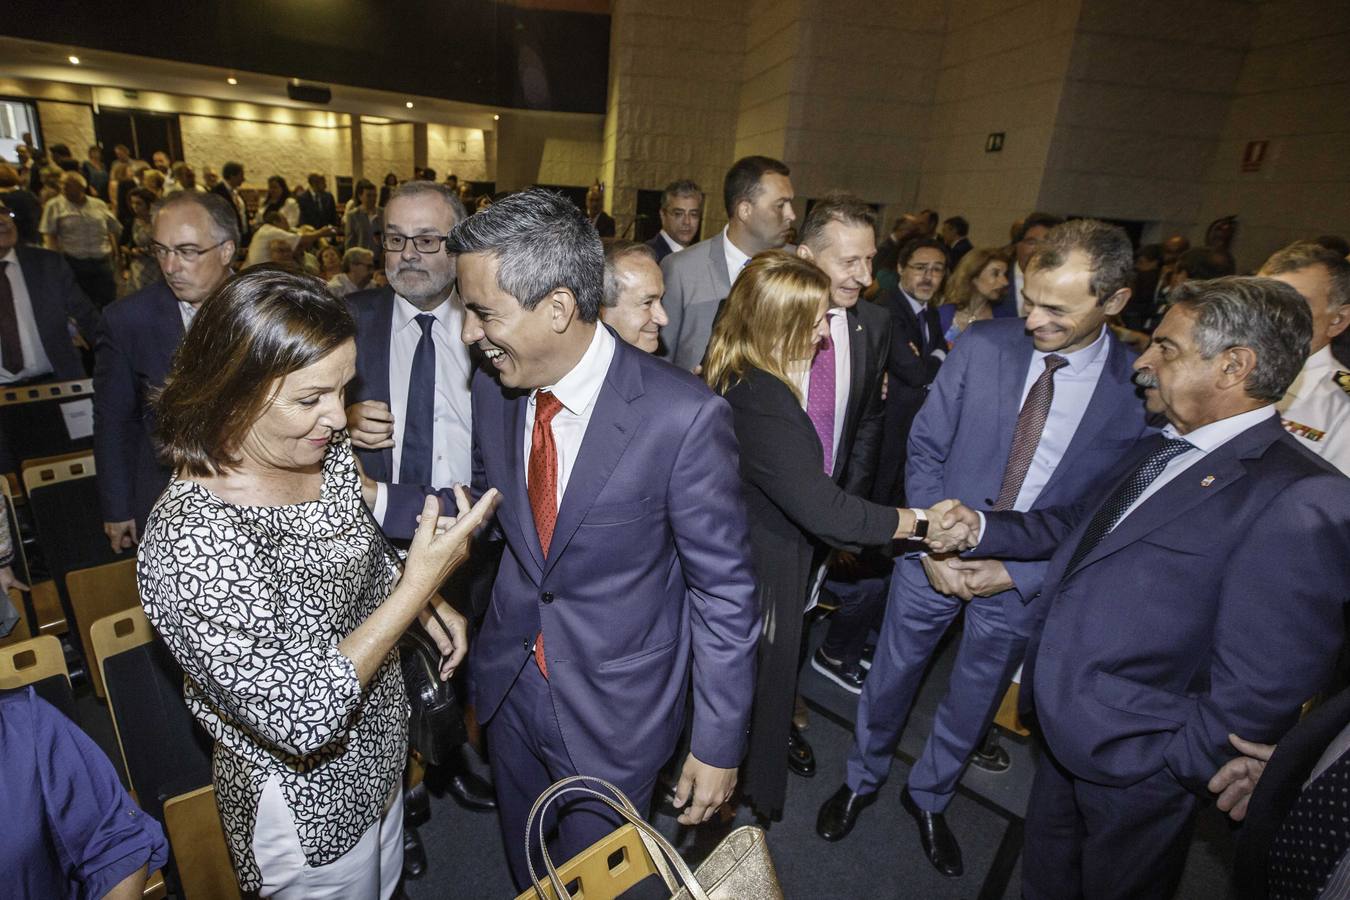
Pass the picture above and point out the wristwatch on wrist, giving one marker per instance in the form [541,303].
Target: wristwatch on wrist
[920,524]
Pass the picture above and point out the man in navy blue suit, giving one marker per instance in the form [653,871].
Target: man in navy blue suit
[1197,593]
[39,296]
[196,236]
[627,563]
[1023,414]
[681,218]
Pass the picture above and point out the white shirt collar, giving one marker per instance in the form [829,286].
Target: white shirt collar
[674,245]
[578,388]
[405,313]
[12,256]
[1211,437]
[1081,358]
[916,305]
[1322,362]
[736,260]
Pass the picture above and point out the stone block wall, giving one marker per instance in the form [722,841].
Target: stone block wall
[266,148]
[71,124]
[387,148]
[1293,91]
[462,151]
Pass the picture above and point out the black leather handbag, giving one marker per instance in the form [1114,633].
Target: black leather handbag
[436,720]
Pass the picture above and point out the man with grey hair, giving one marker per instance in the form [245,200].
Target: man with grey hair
[195,238]
[85,230]
[1316,408]
[410,416]
[681,217]
[1024,414]
[1196,595]
[627,568]
[631,303]
[358,264]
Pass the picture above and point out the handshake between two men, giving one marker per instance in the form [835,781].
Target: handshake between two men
[952,528]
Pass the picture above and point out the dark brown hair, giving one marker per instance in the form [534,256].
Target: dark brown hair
[257,328]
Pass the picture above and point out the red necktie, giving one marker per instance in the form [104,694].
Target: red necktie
[542,477]
[11,348]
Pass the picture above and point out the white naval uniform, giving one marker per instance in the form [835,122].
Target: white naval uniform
[1316,409]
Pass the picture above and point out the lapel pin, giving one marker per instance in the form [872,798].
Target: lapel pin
[1207,481]
[857,328]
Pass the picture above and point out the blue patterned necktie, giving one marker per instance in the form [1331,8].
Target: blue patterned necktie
[1123,497]
[414,466]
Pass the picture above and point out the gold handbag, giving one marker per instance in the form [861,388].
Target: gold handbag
[738,869]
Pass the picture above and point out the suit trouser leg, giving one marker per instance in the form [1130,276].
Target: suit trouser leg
[1094,841]
[527,754]
[988,655]
[915,620]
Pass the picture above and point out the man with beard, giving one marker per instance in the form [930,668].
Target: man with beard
[410,417]
[758,195]
[917,350]
[196,236]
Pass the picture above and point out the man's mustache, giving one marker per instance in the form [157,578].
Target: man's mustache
[1145,379]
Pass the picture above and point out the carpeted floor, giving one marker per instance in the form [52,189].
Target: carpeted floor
[880,860]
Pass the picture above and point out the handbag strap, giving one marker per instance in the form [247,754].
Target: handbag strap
[663,855]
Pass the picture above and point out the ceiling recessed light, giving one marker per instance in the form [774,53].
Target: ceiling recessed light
[409,104]
[495,117]
[74,60]
[231,80]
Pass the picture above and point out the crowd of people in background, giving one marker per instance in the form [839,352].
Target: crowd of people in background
[913,431]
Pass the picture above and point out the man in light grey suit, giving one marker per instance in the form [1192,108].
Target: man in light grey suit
[758,196]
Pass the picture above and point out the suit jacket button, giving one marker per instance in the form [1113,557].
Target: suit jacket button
[546,596]
[526,646]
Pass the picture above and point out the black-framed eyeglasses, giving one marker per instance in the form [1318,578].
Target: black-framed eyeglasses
[187,254]
[422,243]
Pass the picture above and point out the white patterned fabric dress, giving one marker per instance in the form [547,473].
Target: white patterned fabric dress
[252,602]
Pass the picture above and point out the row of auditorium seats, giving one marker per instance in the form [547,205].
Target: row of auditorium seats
[165,754]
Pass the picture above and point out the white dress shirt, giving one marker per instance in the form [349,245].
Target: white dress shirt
[1204,441]
[35,361]
[674,245]
[843,376]
[1074,386]
[452,433]
[1316,410]
[1019,282]
[187,312]
[736,260]
[577,391]
[918,306]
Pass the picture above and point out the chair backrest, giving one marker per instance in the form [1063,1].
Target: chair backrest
[63,497]
[163,749]
[38,419]
[41,662]
[98,592]
[198,843]
[604,870]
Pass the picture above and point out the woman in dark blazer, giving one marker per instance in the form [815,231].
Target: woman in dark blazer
[758,359]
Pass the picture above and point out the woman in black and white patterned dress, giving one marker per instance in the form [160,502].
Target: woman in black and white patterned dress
[265,577]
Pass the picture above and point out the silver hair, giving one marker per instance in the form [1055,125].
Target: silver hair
[684,187]
[615,252]
[422,188]
[541,242]
[224,221]
[1264,315]
[1305,254]
[357,255]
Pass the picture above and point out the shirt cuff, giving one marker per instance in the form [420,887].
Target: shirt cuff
[381,503]
[939,353]
[981,532]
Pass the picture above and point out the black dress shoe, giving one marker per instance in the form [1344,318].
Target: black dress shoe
[868,651]
[801,758]
[414,855]
[847,676]
[471,791]
[991,756]
[939,844]
[838,814]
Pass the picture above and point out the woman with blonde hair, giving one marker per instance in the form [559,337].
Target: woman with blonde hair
[980,280]
[759,359]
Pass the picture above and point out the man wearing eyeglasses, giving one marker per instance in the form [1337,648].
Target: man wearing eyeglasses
[38,297]
[410,416]
[195,238]
[917,350]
